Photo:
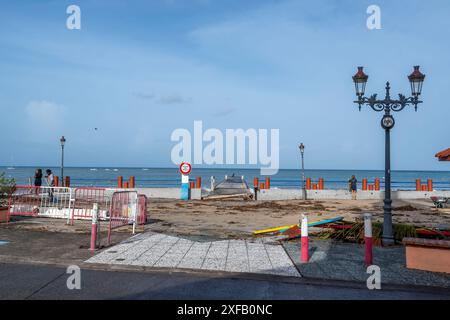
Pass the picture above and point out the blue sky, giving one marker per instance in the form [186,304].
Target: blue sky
[137,70]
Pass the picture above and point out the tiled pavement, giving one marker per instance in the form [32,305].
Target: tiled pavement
[164,251]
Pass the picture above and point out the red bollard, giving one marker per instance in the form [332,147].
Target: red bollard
[314,186]
[424,187]
[120,182]
[368,239]
[371,187]
[377,184]
[191,184]
[267,185]
[304,237]
[67,182]
[56,181]
[430,185]
[418,185]
[125,185]
[132,184]
[308,183]
[261,186]
[94,227]
[198,183]
[255,183]
[321,183]
[364,184]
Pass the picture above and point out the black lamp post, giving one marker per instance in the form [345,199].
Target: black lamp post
[302,152]
[388,105]
[63,142]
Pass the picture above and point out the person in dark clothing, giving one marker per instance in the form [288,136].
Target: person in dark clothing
[352,186]
[38,178]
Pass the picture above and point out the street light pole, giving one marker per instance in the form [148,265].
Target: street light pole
[388,105]
[302,151]
[62,141]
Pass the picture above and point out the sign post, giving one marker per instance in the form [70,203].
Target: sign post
[185,169]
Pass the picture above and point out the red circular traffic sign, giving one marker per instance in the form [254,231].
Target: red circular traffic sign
[185,167]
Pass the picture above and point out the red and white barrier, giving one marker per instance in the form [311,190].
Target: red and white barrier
[368,239]
[304,237]
[124,207]
[51,202]
[85,197]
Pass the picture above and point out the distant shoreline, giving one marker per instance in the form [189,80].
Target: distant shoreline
[210,168]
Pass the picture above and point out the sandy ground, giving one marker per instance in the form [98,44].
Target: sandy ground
[234,219]
[238,219]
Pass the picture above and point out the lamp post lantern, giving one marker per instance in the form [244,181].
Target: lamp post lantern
[388,105]
[63,142]
[302,152]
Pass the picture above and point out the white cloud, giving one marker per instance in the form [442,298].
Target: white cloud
[47,115]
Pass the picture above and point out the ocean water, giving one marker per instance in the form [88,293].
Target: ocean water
[285,178]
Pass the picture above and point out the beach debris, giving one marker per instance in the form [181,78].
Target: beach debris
[286,228]
[231,187]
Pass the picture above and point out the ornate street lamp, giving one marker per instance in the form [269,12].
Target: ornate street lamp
[388,105]
[302,152]
[63,142]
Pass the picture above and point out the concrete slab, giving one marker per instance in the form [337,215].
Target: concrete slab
[163,251]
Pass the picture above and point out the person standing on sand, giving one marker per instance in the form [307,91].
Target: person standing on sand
[352,186]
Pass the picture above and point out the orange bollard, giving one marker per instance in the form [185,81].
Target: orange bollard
[120,182]
[418,184]
[56,181]
[67,182]
[267,183]
[424,187]
[364,184]
[191,185]
[370,187]
[430,184]
[261,185]
[132,184]
[321,184]
[308,183]
[314,186]
[198,182]
[255,182]
[125,185]
[377,184]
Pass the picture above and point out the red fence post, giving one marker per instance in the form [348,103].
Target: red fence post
[308,183]
[94,226]
[321,183]
[304,238]
[430,184]
[364,184]
[418,185]
[368,259]
[267,185]
[377,184]
[255,183]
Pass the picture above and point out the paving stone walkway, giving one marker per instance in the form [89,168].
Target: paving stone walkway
[164,251]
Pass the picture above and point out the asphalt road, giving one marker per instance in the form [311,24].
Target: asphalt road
[28,281]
